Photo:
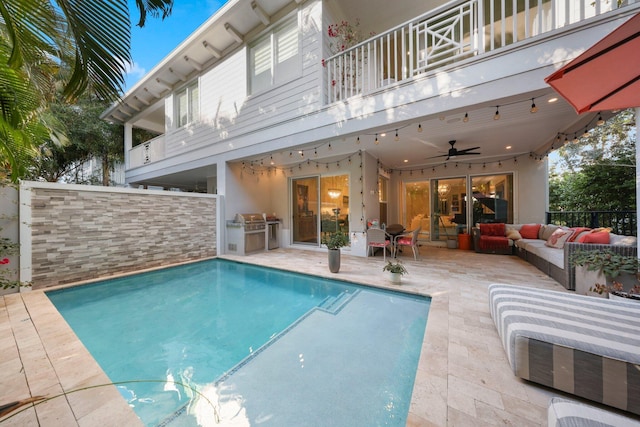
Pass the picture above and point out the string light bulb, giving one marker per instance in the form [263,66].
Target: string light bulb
[419,127]
[533,109]
[358,140]
[600,121]
[397,137]
[376,141]
[466,117]
[496,116]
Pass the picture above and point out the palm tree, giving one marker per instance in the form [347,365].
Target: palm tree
[81,44]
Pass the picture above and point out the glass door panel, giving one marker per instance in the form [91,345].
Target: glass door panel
[334,209]
[449,212]
[417,207]
[492,198]
[305,210]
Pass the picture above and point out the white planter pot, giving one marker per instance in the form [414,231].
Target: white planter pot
[616,297]
[586,279]
[395,278]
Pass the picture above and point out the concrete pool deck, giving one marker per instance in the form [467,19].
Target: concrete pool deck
[463,376]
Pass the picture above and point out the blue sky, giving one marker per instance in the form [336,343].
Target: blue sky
[149,45]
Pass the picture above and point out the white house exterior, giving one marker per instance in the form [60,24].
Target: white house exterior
[256,106]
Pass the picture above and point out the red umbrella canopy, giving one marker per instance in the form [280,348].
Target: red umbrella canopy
[607,75]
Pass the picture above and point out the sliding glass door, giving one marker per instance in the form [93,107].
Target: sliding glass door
[305,210]
[320,205]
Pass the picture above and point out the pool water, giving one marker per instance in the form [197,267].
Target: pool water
[246,345]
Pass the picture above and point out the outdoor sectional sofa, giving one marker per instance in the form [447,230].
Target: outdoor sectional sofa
[583,345]
[551,255]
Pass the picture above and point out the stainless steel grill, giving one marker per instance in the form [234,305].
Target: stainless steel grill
[246,233]
[251,222]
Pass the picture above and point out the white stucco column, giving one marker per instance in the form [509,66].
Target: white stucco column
[128,144]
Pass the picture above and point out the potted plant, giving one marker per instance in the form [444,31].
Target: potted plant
[603,266]
[616,291]
[334,242]
[396,271]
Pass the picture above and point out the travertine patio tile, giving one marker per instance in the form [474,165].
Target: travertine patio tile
[476,391]
[490,415]
[25,416]
[55,412]
[463,377]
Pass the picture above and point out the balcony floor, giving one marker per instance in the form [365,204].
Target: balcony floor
[463,376]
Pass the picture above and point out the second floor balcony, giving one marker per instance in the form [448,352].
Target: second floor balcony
[446,35]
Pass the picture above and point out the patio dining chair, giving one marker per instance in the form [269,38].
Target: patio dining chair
[407,239]
[378,238]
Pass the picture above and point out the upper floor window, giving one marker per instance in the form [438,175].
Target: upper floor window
[187,105]
[275,58]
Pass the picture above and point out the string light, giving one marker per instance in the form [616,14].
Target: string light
[377,142]
[496,116]
[419,127]
[358,140]
[533,109]
[600,121]
[466,117]
[397,137]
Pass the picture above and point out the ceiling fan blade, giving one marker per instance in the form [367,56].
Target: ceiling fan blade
[466,153]
[466,150]
[442,155]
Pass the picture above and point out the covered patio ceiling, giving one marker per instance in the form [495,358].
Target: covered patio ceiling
[517,132]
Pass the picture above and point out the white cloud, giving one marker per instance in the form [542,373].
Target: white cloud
[135,70]
[134,73]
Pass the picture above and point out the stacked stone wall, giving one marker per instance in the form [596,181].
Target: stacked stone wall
[78,235]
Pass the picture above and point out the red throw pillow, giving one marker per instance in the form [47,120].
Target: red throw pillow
[530,231]
[601,237]
[576,232]
[497,229]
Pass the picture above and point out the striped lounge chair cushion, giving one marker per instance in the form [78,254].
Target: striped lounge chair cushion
[569,413]
[578,344]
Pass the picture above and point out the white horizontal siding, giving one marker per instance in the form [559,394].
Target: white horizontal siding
[228,111]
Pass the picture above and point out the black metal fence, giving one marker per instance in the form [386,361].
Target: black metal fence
[621,222]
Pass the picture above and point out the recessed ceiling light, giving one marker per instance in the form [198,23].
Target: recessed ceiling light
[554,99]
[406,160]
[508,147]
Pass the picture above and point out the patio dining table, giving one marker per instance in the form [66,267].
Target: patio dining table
[394,230]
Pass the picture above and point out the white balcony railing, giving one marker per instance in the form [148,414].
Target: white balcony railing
[147,152]
[449,34]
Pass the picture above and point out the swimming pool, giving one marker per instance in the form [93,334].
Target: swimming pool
[254,345]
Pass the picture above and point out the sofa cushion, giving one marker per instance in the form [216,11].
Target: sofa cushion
[578,232]
[527,243]
[596,236]
[569,413]
[530,231]
[575,343]
[489,243]
[558,238]
[513,234]
[496,229]
[546,231]
[618,240]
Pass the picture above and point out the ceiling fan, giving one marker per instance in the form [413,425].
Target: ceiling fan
[454,152]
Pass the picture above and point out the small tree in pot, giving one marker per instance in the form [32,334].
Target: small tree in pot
[334,242]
